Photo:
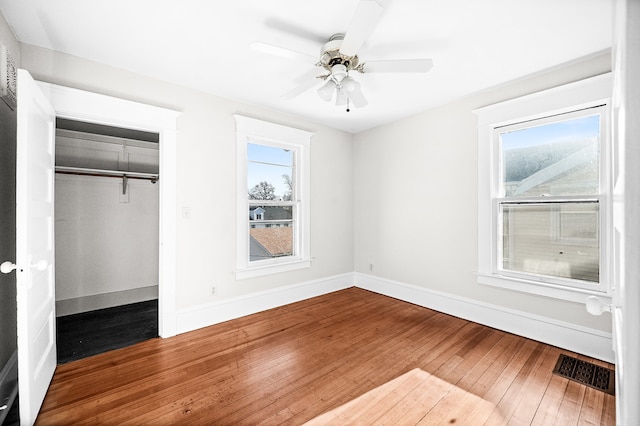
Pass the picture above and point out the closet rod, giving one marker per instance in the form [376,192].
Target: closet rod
[153,177]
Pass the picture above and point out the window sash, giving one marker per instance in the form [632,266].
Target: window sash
[292,223]
[536,272]
[599,110]
[293,168]
[295,223]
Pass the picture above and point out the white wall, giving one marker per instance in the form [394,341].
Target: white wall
[206,166]
[416,197]
[8,39]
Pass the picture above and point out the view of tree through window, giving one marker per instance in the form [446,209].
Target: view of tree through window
[270,172]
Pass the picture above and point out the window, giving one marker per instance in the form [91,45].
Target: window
[544,190]
[273,198]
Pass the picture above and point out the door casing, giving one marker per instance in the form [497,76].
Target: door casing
[75,104]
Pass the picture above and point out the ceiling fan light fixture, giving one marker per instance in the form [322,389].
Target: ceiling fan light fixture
[359,102]
[339,57]
[339,72]
[326,91]
[349,84]
[356,96]
[341,97]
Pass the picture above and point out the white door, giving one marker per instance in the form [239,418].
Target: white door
[626,295]
[34,246]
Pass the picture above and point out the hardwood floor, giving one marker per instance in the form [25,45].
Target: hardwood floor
[291,364]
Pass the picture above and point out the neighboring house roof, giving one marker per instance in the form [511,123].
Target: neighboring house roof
[271,212]
[277,241]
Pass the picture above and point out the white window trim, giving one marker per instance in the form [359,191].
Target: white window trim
[251,130]
[558,100]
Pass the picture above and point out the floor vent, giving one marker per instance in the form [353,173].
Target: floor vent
[584,372]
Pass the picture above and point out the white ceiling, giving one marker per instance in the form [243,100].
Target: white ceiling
[204,44]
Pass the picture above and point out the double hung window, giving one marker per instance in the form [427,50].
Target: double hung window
[548,204]
[273,201]
[544,192]
[273,198]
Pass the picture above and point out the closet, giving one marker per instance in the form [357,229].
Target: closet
[106,221]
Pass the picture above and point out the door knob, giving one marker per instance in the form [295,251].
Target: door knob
[7,267]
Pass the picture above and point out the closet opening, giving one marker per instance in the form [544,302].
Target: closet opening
[106,237]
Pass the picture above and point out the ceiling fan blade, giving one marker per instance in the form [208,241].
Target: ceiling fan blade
[296,30]
[303,83]
[298,90]
[283,52]
[367,15]
[403,65]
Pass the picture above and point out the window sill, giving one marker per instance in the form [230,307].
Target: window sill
[274,268]
[541,289]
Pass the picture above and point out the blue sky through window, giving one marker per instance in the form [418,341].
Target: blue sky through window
[267,163]
[564,131]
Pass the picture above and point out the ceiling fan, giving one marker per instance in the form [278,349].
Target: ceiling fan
[339,58]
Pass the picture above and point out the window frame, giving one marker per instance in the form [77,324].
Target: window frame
[251,130]
[558,101]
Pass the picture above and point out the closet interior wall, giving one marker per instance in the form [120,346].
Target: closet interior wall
[106,225]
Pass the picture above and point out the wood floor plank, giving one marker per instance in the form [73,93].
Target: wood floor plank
[415,404]
[526,403]
[374,404]
[343,355]
[570,406]
[591,412]
[371,357]
[608,410]
[257,405]
[549,407]
[507,405]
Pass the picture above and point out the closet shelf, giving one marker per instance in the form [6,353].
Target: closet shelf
[153,177]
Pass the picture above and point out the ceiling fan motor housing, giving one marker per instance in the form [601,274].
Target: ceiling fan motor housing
[330,54]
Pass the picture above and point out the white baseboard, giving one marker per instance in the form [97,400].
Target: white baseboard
[587,341]
[572,337]
[225,310]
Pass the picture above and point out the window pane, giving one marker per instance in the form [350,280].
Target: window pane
[269,173]
[559,158]
[554,239]
[270,232]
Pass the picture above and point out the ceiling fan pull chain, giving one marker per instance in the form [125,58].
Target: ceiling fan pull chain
[348,105]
